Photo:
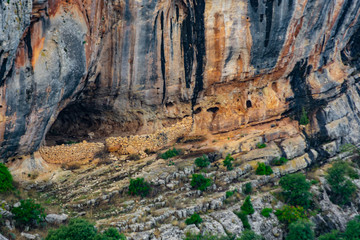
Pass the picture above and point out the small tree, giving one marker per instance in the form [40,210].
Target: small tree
[6,180]
[228,162]
[247,206]
[261,145]
[28,213]
[244,219]
[194,219]
[290,214]
[279,161]
[250,235]
[304,120]
[301,230]
[333,235]
[352,231]
[139,187]
[266,212]
[170,153]
[202,162]
[200,182]
[296,189]
[247,188]
[342,189]
[263,169]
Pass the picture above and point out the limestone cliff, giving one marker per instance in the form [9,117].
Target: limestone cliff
[121,67]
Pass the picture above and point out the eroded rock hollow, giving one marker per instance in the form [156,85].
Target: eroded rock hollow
[121,67]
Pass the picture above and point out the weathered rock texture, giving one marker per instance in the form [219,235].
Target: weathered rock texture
[122,67]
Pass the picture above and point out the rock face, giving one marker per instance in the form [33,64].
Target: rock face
[125,67]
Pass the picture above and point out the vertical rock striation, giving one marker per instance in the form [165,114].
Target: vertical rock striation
[122,67]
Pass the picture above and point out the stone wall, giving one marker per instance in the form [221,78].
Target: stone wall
[137,144]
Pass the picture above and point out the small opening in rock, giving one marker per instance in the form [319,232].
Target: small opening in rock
[248,104]
[213,109]
[274,86]
[198,110]
[169,104]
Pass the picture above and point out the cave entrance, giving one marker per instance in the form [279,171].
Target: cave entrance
[74,123]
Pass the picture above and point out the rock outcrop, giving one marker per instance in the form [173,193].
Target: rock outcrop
[70,68]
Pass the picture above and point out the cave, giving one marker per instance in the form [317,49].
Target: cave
[248,104]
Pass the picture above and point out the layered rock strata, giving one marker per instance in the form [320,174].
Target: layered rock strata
[132,67]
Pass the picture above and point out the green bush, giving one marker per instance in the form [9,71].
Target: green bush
[289,214]
[81,229]
[6,180]
[266,212]
[304,120]
[191,236]
[139,187]
[230,193]
[250,235]
[334,235]
[279,161]
[301,230]
[247,206]
[28,213]
[296,190]
[198,181]
[202,162]
[352,231]
[244,219]
[194,219]
[247,188]
[170,153]
[342,189]
[263,169]
[260,145]
[228,162]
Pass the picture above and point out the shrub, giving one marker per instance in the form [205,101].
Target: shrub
[28,213]
[228,162]
[342,189]
[296,190]
[81,229]
[263,169]
[301,230]
[266,212]
[139,187]
[244,219]
[290,214]
[6,180]
[191,236]
[200,182]
[110,234]
[230,193]
[250,235]
[202,162]
[279,161]
[333,235]
[247,188]
[194,219]
[170,153]
[247,206]
[304,120]
[260,145]
[352,231]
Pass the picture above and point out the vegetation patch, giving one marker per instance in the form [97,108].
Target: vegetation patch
[200,182]
[139,187]
[194,219]
[296,190]
[228,162]
[244,219]
[28,213]
[170,153]
[304,119]
[266,212]
[247,206]
[279,161]
[6,180]
[202,162]
[289,214]
[263,169]
[260,145]
[301,230]
[247,188]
